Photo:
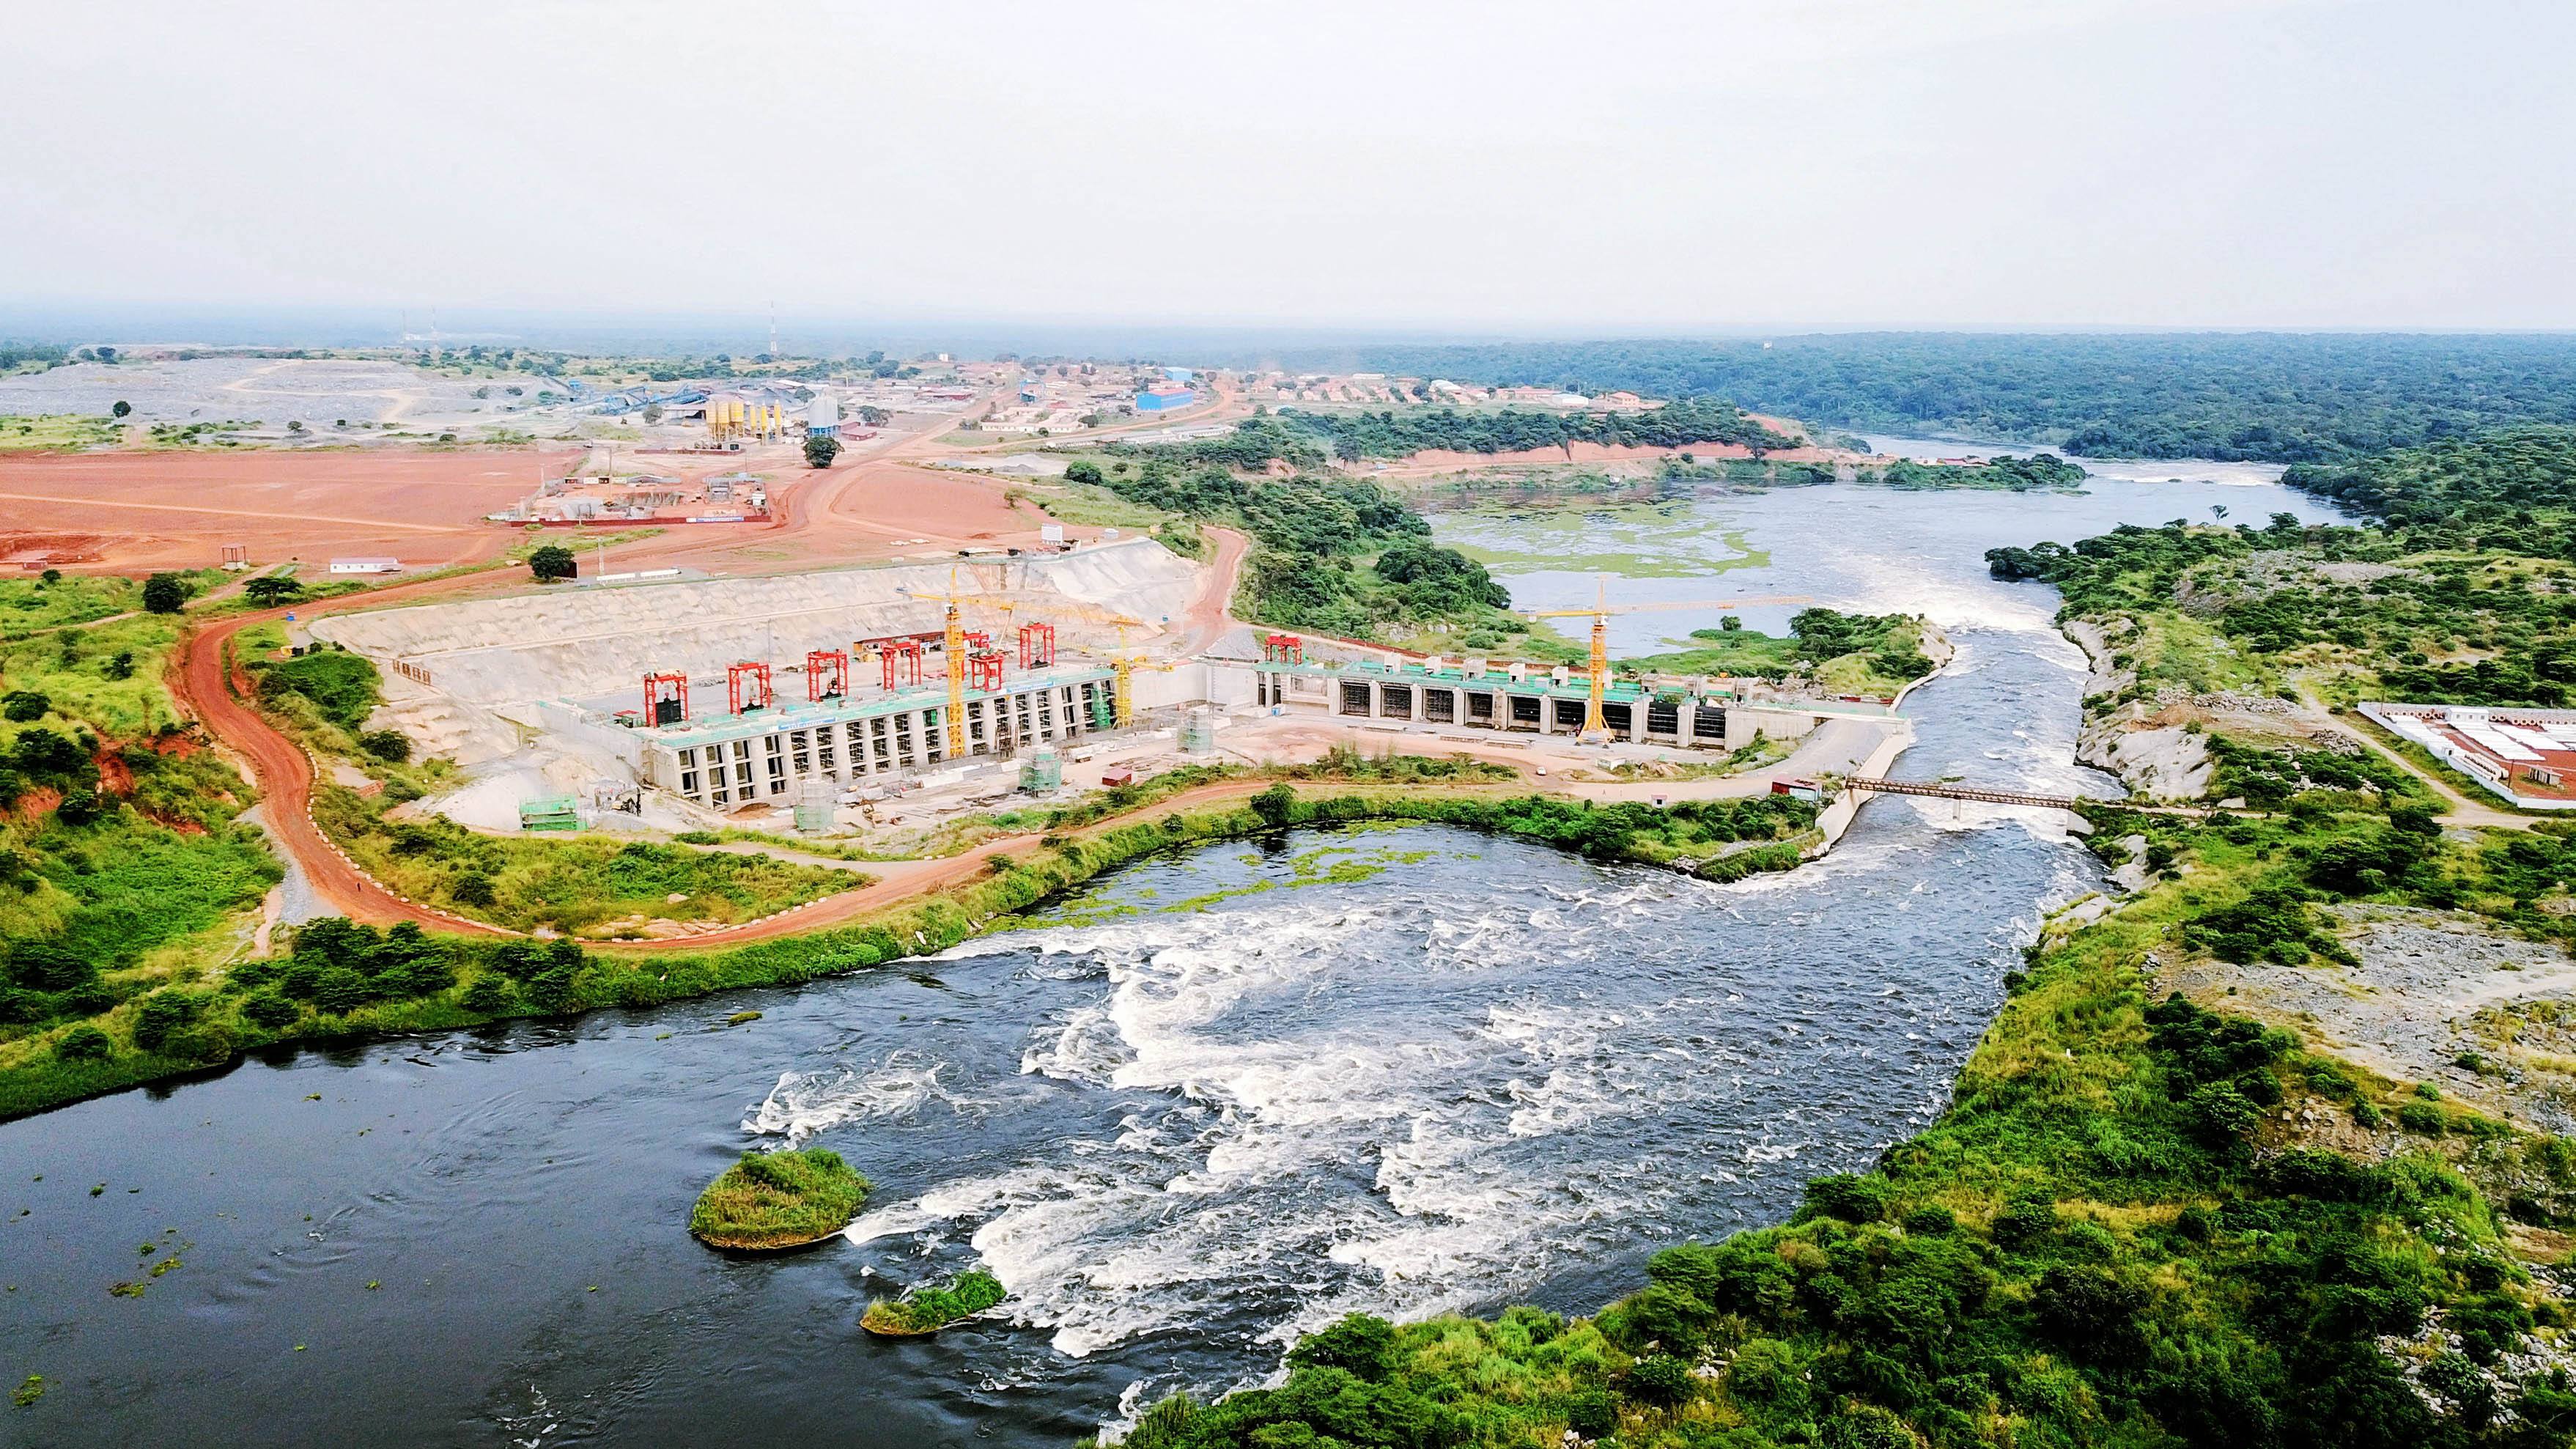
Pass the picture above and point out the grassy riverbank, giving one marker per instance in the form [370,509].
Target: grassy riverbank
[346,983]
[2119,1233]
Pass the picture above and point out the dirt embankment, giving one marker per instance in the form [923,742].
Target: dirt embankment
[2163,762]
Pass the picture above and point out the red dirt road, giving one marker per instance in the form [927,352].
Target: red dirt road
[285,774]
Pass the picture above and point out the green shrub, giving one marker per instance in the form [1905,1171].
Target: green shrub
[391,746]
[2424,1118]
[84,1044]
[343,687]
[162,1013]
[269,1009]
[1659,1378]
[1850,1197]
[1360,1344]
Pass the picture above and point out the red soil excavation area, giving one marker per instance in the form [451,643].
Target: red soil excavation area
[852,513]
[138,511]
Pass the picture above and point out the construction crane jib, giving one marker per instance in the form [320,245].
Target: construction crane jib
[953,648]
[1595,724]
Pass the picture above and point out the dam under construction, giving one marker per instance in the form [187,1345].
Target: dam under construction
[811,697]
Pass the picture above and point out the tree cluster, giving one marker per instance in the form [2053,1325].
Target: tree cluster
[2273,397]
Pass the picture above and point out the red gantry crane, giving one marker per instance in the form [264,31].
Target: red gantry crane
[902,661]
[747,686]
[666,699]
[1037,646]
[827,674]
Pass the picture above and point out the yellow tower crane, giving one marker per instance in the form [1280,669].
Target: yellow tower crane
[1594,724]
[1122,668]
[954,650]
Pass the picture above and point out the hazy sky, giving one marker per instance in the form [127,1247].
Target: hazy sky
[1577,166]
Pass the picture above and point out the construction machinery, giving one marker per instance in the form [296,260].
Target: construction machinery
[902,661]
[827,674]
[1595,726]
[954,648]
[666,699]
[1037,646]
[747,686]
[1122,668]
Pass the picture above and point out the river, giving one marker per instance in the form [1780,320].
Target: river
[1214,1099]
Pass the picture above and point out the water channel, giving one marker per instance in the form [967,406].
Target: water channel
[1216,1099]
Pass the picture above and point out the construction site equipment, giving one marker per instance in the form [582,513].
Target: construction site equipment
[827,674]
[1595,725]
[1044,770]
[1124,668]
[813,812]
[984,667]
[1037,646]
[1198,732]
[953,647]
[1283,649]
[747,686]
[666,699]
[550,812]
[902,661]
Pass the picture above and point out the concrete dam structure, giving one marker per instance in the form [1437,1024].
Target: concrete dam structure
[594,643]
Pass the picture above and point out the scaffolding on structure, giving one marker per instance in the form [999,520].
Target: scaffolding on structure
[1037,646]
[666,699]
[747,686]
[902,661]
[827,674]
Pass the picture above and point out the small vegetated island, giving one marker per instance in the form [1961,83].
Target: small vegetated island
[773,1200]
[928,1310]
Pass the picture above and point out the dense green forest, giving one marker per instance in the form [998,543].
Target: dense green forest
[1353,436]
[2511,489]
[1849,653]
[2011,475]
[1336,555]
[2466,594]
[2276,397]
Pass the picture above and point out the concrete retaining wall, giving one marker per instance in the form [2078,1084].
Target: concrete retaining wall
[585,644]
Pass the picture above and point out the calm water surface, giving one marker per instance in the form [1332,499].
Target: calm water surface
[1217,1099]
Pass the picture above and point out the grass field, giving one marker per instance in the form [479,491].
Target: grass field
[56,430]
